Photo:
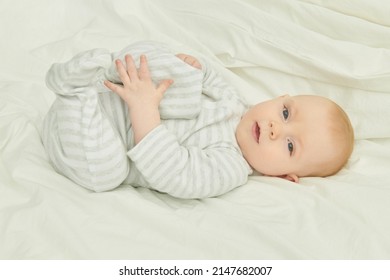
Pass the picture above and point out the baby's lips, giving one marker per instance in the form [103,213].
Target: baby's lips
[256,132]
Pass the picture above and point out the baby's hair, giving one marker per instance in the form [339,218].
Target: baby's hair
[341,130]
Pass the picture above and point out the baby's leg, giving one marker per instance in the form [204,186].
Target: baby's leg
[79,136]
[83,144]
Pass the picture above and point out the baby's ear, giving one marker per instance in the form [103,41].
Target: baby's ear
[291,177]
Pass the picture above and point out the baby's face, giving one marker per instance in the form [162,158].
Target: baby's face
[286,135]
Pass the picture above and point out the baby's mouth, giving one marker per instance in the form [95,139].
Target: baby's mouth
[256,132]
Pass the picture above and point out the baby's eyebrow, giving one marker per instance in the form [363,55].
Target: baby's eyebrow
[291,103]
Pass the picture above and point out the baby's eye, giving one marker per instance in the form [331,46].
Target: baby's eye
[286,113]
[290,146]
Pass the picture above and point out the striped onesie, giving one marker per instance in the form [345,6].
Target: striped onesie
[193,153]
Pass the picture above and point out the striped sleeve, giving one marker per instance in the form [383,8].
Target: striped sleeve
[187,172]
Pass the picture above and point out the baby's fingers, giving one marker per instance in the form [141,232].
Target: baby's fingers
[115,88]
[131,68]
[144,73]
[190,60]
[122,72]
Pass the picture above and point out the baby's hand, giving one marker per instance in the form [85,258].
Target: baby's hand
[140,94]
[190,60]
[138,89]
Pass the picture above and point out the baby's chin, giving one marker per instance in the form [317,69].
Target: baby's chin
[260,172]
[256,173]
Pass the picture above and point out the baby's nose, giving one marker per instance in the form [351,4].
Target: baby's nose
[274,130]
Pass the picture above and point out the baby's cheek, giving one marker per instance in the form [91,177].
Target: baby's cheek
[272,162]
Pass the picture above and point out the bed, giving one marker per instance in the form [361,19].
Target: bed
[265,48]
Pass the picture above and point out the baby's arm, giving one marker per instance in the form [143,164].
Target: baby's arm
[188,171]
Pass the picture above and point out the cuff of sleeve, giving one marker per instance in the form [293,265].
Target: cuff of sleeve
[152,147]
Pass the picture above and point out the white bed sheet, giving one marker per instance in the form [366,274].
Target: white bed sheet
[265,48]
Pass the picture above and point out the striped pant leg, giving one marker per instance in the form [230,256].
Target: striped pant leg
[83,143]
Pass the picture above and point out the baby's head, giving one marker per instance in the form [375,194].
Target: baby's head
[296,136]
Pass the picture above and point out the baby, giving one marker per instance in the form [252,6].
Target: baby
[170,123]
